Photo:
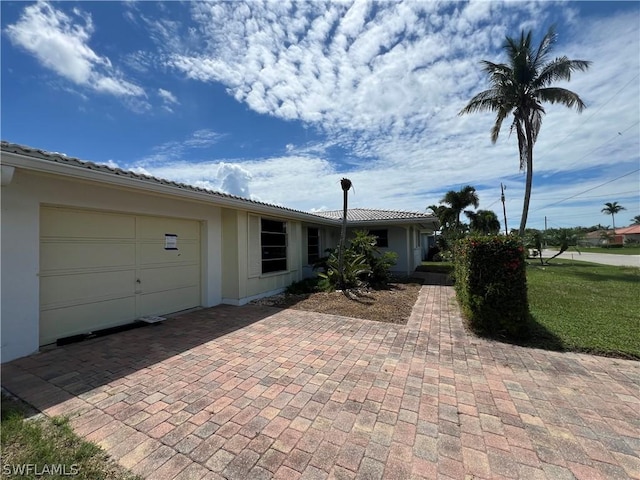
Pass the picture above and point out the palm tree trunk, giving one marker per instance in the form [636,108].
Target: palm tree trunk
[529,179]
[346,185]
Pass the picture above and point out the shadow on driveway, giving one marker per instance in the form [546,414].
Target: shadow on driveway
[82,367]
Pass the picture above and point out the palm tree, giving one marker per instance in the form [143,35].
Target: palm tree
[445,215]
[346,184]
[520,87]
[612,209]
[483,221]
[636,220]
[460,200]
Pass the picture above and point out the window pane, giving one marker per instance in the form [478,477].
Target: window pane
[313,245]
[383,240]
[274,265]
[274,226]
[269,253]
[273,239]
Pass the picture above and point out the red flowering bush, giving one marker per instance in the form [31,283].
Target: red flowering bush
[491,284]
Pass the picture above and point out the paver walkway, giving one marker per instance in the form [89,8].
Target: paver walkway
[255,392]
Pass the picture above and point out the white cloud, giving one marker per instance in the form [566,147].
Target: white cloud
[385,82]
[169,100]
[60,42]
[180,150]
[234,179]
[168,97]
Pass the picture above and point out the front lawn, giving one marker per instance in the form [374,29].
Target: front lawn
[44,447]
[585,307]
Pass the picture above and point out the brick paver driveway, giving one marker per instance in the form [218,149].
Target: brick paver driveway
[254,392]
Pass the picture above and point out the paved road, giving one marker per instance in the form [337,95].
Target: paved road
[603,258]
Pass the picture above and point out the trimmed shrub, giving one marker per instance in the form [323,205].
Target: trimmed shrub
[491,284]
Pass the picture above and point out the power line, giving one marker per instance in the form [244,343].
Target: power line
[593,196]
[589,189]
[593,114]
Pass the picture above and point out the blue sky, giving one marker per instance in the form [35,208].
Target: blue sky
[277,101]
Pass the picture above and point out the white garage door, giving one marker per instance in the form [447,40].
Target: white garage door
[100,269]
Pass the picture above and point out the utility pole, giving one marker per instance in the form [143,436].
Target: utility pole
[545,231]
[504,210]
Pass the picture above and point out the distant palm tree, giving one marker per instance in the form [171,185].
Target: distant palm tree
[445,215]
[636,220]
[611,209]
[346,185]
[460,200]
[483,221]
[521,86]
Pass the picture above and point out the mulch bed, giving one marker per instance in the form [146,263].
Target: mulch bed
[392,305]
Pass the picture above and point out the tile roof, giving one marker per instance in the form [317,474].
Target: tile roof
[353,215]
[372,215]
[75,162]
[632,230]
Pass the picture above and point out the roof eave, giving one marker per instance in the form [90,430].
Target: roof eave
[35,164]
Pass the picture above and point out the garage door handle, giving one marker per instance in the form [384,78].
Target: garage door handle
[138,280]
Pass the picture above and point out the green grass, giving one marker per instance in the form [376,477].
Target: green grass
[585,307]
[46,445]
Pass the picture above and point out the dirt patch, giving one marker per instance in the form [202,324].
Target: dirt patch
[392,305]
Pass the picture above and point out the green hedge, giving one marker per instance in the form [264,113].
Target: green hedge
[491,284]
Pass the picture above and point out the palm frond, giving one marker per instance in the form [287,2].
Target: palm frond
[487,101]
[495,131]
[536,122]
[518,126]
[560,95]
[559,69]
[545,47]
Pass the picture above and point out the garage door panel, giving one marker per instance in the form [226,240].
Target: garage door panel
[155,228]
[65,322]
[61,255]
[60,290]
[155,253]
[90,264]
[170,301]
[62,222]
[167,278]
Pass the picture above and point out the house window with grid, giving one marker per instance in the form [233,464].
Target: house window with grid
[313,245]
[273,244]
[382,237]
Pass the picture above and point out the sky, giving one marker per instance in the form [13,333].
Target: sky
[277,101]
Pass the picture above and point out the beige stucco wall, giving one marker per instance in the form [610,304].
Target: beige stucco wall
[237,249]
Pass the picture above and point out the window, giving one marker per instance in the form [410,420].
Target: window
[313,245]
[382,237]
[273,243]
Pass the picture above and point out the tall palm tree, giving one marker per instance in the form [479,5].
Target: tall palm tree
[611,209]
[460,200]
[521,87]
[346,185]
[483,221]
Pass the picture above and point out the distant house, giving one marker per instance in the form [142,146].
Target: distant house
[87,246]
[629,234]
[597,238]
